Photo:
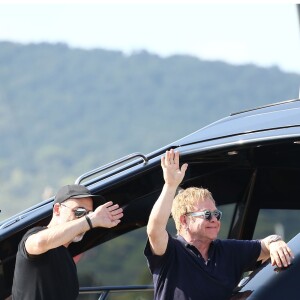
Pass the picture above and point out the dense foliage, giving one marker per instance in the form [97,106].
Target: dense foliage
[65,111]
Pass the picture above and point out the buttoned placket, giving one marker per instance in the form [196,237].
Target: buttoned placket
[195,252]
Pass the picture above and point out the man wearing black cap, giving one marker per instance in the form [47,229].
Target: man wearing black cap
[44,267]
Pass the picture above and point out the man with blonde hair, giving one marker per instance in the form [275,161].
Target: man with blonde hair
[195,264]
[185,201]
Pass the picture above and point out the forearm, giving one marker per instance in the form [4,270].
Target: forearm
[159,216]
[55,236]
[265,245]
[161,210]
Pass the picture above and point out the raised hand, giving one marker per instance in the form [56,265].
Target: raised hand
[107,215]
[173,174]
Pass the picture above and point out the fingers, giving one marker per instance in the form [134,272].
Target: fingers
[184,167]
[171,158]
[163,161]
[116,212]
[168,159]
[114,223]
[172,173]
[281,255]
[114,219]
[176,158]
[107,204]
[112,208]
[108,215]
[117,217]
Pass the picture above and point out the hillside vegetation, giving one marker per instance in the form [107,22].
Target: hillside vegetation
[65,111]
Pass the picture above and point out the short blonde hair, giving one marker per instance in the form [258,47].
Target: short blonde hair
[186,200]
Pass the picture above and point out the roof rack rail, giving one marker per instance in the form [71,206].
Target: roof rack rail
[110,165]
[265,106]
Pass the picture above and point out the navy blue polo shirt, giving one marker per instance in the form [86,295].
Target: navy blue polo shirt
[182,274]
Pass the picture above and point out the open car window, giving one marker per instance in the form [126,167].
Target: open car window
[119,262]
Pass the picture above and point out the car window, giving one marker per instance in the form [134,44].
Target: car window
[227,215]
[118,262]
[284,222]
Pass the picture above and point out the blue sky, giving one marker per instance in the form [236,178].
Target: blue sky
[263,34]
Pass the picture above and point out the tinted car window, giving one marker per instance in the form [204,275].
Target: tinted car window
[284,222]
[227,215]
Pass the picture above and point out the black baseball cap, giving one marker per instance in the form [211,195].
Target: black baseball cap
[77,191]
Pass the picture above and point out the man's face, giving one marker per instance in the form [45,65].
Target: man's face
[67,211]
[199,227]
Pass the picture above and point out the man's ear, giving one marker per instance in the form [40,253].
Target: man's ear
[183,220]
[56,209]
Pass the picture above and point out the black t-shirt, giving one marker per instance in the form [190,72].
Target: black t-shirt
[182,274]
[49,276]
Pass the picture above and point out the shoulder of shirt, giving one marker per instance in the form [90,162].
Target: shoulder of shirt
[34,230]
[236,241]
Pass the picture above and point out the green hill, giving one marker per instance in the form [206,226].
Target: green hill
[65,111]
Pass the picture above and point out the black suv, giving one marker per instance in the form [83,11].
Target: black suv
[250,161]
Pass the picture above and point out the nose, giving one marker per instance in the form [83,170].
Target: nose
[213,218]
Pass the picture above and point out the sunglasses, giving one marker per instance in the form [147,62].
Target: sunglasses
[79,212]
[207,214]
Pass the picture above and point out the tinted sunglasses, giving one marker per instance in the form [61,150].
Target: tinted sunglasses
[79,212]
[207,214]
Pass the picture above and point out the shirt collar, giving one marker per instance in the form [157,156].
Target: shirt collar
[192,247]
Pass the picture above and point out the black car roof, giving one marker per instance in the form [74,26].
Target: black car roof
[265,118]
